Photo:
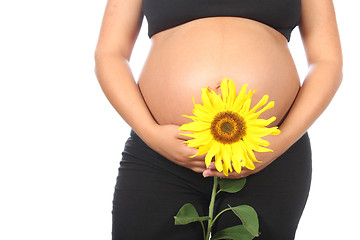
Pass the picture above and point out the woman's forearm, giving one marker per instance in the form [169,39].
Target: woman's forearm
[318,89]
[117,82]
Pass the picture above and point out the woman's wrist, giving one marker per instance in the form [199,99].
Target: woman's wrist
[146,131]
[287,137]
[278,143]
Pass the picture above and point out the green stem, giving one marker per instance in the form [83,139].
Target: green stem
[220,214]
[203,227]
[211,208]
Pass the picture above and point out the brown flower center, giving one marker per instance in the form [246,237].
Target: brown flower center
[228,127]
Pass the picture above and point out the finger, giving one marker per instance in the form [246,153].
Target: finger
[198,169]
[190,162]
[212,165]
[191,152]
[202,161]
[199,165]
[215,173]
[199,157]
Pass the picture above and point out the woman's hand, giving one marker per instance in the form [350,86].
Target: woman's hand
[166,140]
[276,144]
[265,161]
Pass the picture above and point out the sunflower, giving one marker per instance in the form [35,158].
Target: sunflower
[227,129]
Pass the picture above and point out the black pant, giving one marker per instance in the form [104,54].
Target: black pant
[150,190]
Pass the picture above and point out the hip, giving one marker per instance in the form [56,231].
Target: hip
[145,166]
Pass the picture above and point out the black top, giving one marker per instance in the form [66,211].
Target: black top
[282,15]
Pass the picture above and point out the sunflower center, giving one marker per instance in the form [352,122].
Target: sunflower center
[228,127]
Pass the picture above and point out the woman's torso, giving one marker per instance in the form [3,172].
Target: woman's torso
[200,53]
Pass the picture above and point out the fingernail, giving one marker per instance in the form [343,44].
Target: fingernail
[205,174]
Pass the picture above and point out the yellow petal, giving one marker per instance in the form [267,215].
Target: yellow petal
[206,101]
[203,149]
[191,117]
[236,163]
[261,103]
[216,101]
[215,147]
[198,106]
[232,93]
[196,142]
[236,149]
[240,99]
[224,90]
[268,106]
[195,126]
[248,159]
[218,162]
[252,140]
[187,134]
[227,154]
[250,94]
[262,149]
[245,107]
[207,110]
[249,152]
[261,131]
[203,115]
[253,146]
[225,170]
[236,157]
[275,131]
[224,165]
[199,138]
[201,112]
[258,122]
[249,164]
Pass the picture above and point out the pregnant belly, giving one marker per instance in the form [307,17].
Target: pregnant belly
[184,59]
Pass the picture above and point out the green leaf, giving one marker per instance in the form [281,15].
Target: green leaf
[188,214]
[248,217]
[236,233]
[231,185]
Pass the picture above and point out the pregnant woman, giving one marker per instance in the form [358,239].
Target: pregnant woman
[194,44]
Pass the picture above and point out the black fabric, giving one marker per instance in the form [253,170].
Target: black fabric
[150,190]
[282,15]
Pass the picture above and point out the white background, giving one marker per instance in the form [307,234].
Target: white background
[61,140]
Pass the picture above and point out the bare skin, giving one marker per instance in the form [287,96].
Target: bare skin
[200,53]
